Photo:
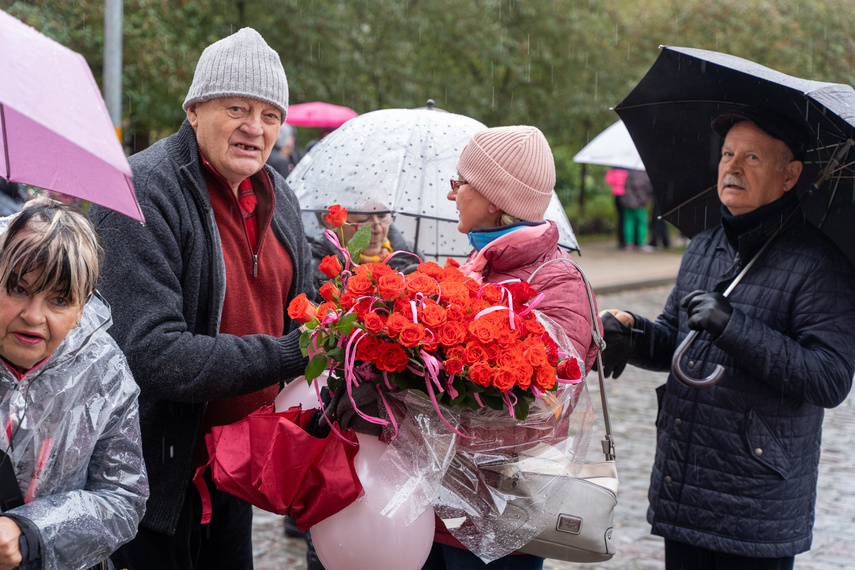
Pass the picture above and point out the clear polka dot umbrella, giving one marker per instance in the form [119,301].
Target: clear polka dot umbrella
[400,161]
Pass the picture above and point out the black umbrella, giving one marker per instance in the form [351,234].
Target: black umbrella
[668,115]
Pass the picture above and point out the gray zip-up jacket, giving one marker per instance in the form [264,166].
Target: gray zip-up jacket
[166,283]
[74,425]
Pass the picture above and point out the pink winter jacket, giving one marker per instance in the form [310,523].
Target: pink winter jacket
[517,255]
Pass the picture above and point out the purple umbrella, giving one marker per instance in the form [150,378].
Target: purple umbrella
[55,132]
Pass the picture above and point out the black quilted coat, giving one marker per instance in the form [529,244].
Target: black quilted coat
[736,464]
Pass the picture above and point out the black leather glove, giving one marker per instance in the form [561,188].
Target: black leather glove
[619,344]
[708,311]
[367,400]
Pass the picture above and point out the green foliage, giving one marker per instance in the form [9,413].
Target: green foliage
[558,64]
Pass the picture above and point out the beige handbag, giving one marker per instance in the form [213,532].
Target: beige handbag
[583,524]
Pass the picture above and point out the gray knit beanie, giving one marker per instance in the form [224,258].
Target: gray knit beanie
[241,65]
[513,168]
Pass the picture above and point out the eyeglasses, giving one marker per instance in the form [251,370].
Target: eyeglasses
[455,184]
[383,220]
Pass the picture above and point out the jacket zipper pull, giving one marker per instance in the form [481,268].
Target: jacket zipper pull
[255,265]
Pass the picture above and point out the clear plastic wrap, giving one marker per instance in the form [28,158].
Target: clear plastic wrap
[492,477]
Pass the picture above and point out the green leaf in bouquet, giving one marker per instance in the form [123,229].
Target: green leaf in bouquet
[336,353]
[521,409]
[305,340]
[359,242]
[316,366]
[345,323]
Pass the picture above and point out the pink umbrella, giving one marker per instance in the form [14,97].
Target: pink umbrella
[318,114]
[55,132]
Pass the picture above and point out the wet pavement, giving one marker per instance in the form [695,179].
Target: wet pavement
[632,404]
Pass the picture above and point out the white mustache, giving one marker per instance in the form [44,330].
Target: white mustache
[733,180]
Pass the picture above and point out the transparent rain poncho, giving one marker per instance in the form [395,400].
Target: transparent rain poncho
[75,445]
[493,489]
[401,161]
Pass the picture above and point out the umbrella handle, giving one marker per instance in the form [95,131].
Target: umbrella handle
[698,383]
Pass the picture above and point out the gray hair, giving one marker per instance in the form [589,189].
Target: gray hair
[60,240]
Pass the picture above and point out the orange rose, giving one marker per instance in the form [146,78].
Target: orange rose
[503,379]
[523,374]
[534,327]
[347,300]
[474,353]
[456,313]
[392,357]
[506,337]
[510,358]
[451,263]
[430,269]
[330,266]
[395,323]
[329,291]
[481,374]
[412,334]
[455,352]
[451,334]
[374,323]
[301,309]
[483,331]
[360,285]
[492,294]
[452,274]
[337,216]
[420,283]
[431,343]
[454,292]
[378,270]
[536,356]
[324,308]
[390,286]
[544,378]
[493,351]
[432,314]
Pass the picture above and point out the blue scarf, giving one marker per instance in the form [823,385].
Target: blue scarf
[480,237]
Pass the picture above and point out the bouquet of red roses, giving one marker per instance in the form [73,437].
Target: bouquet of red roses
[463,343]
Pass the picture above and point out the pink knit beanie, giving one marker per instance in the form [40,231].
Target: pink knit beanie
[513,168]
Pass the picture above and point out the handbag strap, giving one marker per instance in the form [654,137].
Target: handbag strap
[608,443]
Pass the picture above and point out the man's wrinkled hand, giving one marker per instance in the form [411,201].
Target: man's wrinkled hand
[708,311]
[617,332]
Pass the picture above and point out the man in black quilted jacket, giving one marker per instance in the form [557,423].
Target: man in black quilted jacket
[734,479]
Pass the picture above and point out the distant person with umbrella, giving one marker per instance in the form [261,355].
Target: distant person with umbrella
[505,180]
[734,479]
[616,179]
[637,195]
[200,295]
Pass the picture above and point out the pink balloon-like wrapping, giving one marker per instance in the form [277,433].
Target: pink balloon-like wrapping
[360,537]
[299,393]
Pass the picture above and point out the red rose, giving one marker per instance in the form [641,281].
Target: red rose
[379,270]
[455,352]
[374,323]
[534,327]
[453,366]
[536,356]
[412,334]
[456,313]
[392,357]
[474,353]
[301,309]
[492,294]
[324,308]
[336,217]
[454,292]
[390,286]
[569,369]
[360,285]
[330,266]
[329,291]
[368,349]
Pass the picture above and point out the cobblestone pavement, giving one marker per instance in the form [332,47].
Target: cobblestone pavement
[632,403]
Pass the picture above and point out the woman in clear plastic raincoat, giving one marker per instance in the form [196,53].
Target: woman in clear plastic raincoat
[69,426]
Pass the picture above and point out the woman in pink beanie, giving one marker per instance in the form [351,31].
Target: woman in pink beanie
[506,178]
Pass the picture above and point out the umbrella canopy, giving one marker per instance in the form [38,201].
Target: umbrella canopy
[319,114]
[401,161]
[612,147]
[55,131]
[669,113]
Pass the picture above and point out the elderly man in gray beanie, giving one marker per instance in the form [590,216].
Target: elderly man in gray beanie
[200,295]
